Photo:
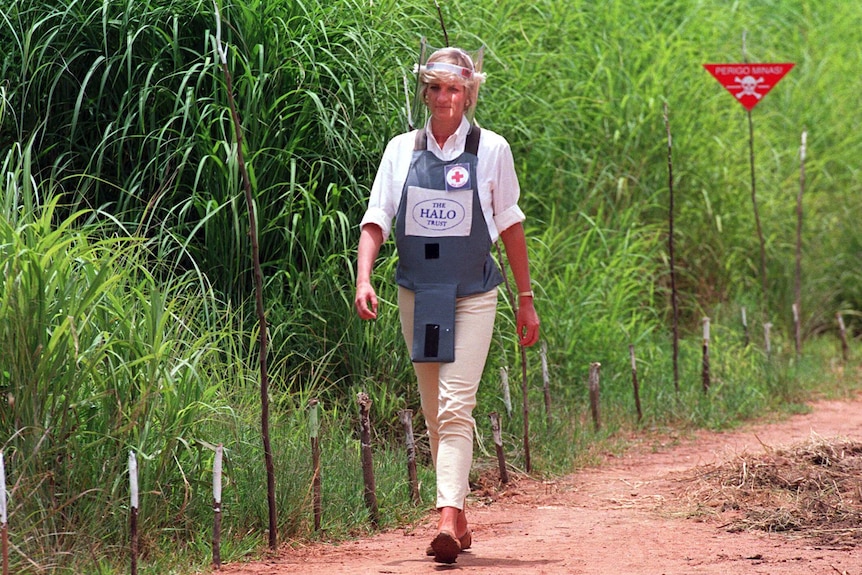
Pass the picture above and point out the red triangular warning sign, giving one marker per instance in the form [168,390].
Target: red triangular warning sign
[749,83]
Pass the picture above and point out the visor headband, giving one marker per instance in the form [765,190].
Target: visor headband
[465,73]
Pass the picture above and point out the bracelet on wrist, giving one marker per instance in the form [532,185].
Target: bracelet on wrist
[528,293]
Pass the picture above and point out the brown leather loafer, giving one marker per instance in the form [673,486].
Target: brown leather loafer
[446,547]
[465,540]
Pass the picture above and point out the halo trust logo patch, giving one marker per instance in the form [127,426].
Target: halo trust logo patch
[457,176]
[439,214]
[436,213]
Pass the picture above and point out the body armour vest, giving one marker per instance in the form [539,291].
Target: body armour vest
[444,247]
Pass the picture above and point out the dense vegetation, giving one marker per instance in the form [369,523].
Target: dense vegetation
[126,308]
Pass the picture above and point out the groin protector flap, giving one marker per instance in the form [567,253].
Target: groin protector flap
[434,323]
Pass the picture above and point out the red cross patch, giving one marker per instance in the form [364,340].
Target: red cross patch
[457,176]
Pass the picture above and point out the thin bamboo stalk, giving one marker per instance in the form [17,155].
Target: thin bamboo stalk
[525,404]
[763,281]
[442,23]
[258,291]
[525,409]
[674,297]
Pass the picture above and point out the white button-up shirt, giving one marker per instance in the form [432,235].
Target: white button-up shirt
[498,183]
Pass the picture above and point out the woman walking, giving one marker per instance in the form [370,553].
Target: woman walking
[452,190]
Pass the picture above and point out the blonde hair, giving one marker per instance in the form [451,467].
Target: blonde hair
[457,67]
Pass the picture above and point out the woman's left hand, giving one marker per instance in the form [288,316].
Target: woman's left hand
[528,323]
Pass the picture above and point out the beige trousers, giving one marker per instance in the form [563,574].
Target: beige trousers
[448,390]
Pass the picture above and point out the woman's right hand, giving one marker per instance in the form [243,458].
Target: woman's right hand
[370,239]
[365,301]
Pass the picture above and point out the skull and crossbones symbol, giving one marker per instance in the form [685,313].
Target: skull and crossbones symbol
[749,86]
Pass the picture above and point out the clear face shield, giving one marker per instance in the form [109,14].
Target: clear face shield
[417,115]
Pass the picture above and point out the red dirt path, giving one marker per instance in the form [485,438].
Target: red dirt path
[627,516]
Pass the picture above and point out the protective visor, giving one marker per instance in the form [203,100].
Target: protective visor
[418,114]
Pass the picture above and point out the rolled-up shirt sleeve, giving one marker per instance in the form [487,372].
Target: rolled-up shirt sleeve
[377,216]
[506,190]
[386,189]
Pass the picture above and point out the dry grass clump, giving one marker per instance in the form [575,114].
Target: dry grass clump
[813,489]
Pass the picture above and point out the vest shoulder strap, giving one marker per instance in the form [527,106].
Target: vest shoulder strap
[421,142]
[472,144]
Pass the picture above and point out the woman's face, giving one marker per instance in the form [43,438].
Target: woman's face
[446,100]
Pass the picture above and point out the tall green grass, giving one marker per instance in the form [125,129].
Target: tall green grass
[98,359]
[125,312]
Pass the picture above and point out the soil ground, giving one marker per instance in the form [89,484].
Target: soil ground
[632,514]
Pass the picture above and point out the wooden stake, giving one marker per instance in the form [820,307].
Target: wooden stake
[635,382]
[594,395]
[4,519]
[797,310]
[406,416]
[845,349]
[367,460]
[498,443]
[705,373]
[314,432]
[797,330]
[745,329]
[217,474]
[546,380]
[504,386]
[133,516]
[767,329]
